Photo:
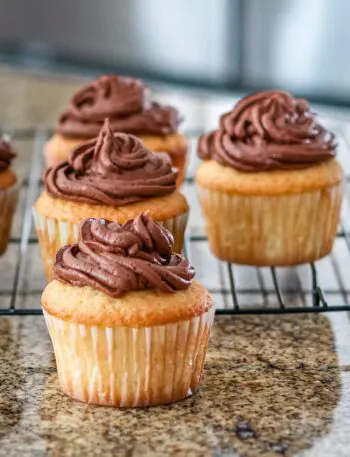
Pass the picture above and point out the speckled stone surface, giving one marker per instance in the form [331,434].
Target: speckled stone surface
[271,387]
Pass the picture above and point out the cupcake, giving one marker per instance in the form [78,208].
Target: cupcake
[8,192]
[269,184]
[113,177]
[128,323]
[127,104]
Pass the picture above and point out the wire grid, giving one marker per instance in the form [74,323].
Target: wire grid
[297,292]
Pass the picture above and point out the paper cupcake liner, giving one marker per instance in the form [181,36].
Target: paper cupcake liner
[8,204]
[54,234]
[271,230]
[123,366]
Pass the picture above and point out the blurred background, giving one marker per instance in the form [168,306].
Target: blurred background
[242,45]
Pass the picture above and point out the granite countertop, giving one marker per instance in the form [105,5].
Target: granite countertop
[274,385]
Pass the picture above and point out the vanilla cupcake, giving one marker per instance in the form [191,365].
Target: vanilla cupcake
[269,185]
[8,192]
[128,324]
[127,103]
[113,177]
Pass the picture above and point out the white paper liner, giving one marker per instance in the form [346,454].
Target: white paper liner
[129,367]
[8,204]
[271,230]
[54,234]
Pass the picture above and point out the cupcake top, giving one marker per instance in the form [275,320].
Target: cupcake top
[113,169]
[125,101]
[116,259]
[266,131]
[7,154]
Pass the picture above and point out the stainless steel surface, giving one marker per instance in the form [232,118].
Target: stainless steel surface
[296,44]
[177,37]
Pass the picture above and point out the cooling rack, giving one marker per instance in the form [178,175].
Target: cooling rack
[317,287]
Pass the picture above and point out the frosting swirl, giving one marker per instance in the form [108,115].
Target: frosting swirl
[114,169]
[116,259]
[125,101]
[7,154]
[268,130]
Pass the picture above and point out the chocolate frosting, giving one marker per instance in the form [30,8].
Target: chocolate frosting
[114,169]
[7,154]
[116,259]
[125,101]
[266,131]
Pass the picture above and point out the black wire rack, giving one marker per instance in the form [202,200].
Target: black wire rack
[316,287]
